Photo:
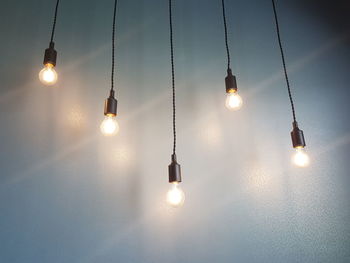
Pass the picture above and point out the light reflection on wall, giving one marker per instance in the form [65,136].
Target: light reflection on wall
[76,117]
[211,134]
[115,156]
[121,156]
[264,181]
[259,179]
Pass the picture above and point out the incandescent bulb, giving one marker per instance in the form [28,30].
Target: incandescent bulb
[109,126]
[48,75]
[175,196]
[300,158]
[233,101]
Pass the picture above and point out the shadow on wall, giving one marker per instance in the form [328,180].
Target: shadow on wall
[334,14]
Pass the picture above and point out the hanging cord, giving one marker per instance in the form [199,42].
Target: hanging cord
[54,21]
[283,60]
[172,73]
[113,45]
[226,40]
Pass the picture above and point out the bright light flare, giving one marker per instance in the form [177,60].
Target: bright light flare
[300,158]
[48,75]
[175,197]
[233,101]
[109,126]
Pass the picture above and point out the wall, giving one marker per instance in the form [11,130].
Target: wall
[67,194]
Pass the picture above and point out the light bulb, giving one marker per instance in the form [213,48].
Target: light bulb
[300,158]
[175,196]
[48,75]
[233,101]
[109,126]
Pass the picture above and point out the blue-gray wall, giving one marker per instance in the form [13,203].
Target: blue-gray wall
[67,194]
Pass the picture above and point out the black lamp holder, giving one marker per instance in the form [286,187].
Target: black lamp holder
[111,105]
[50,55]
[174,170]
[230,81]
[297,136]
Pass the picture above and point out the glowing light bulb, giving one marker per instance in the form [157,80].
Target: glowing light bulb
[300,158]
[48,75]
[109,126]
[175,196]
[233,101]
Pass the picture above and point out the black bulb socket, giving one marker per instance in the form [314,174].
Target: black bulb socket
[174,170]
[297,135]
[50,55]
[111,105]
[230,82]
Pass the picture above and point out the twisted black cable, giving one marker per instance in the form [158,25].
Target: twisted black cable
[113,45]
[172,73]
[283,60]
[225,27]
[54,21]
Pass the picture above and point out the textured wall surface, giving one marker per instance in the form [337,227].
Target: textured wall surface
[68,194]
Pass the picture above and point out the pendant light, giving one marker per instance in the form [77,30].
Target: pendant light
[233,100]
[300,158]
[109,125]
[175,196]
[48,75]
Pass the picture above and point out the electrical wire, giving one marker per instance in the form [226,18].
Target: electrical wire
[283,59]
[172,73]
[226,38]
[113,45]
[54,21]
